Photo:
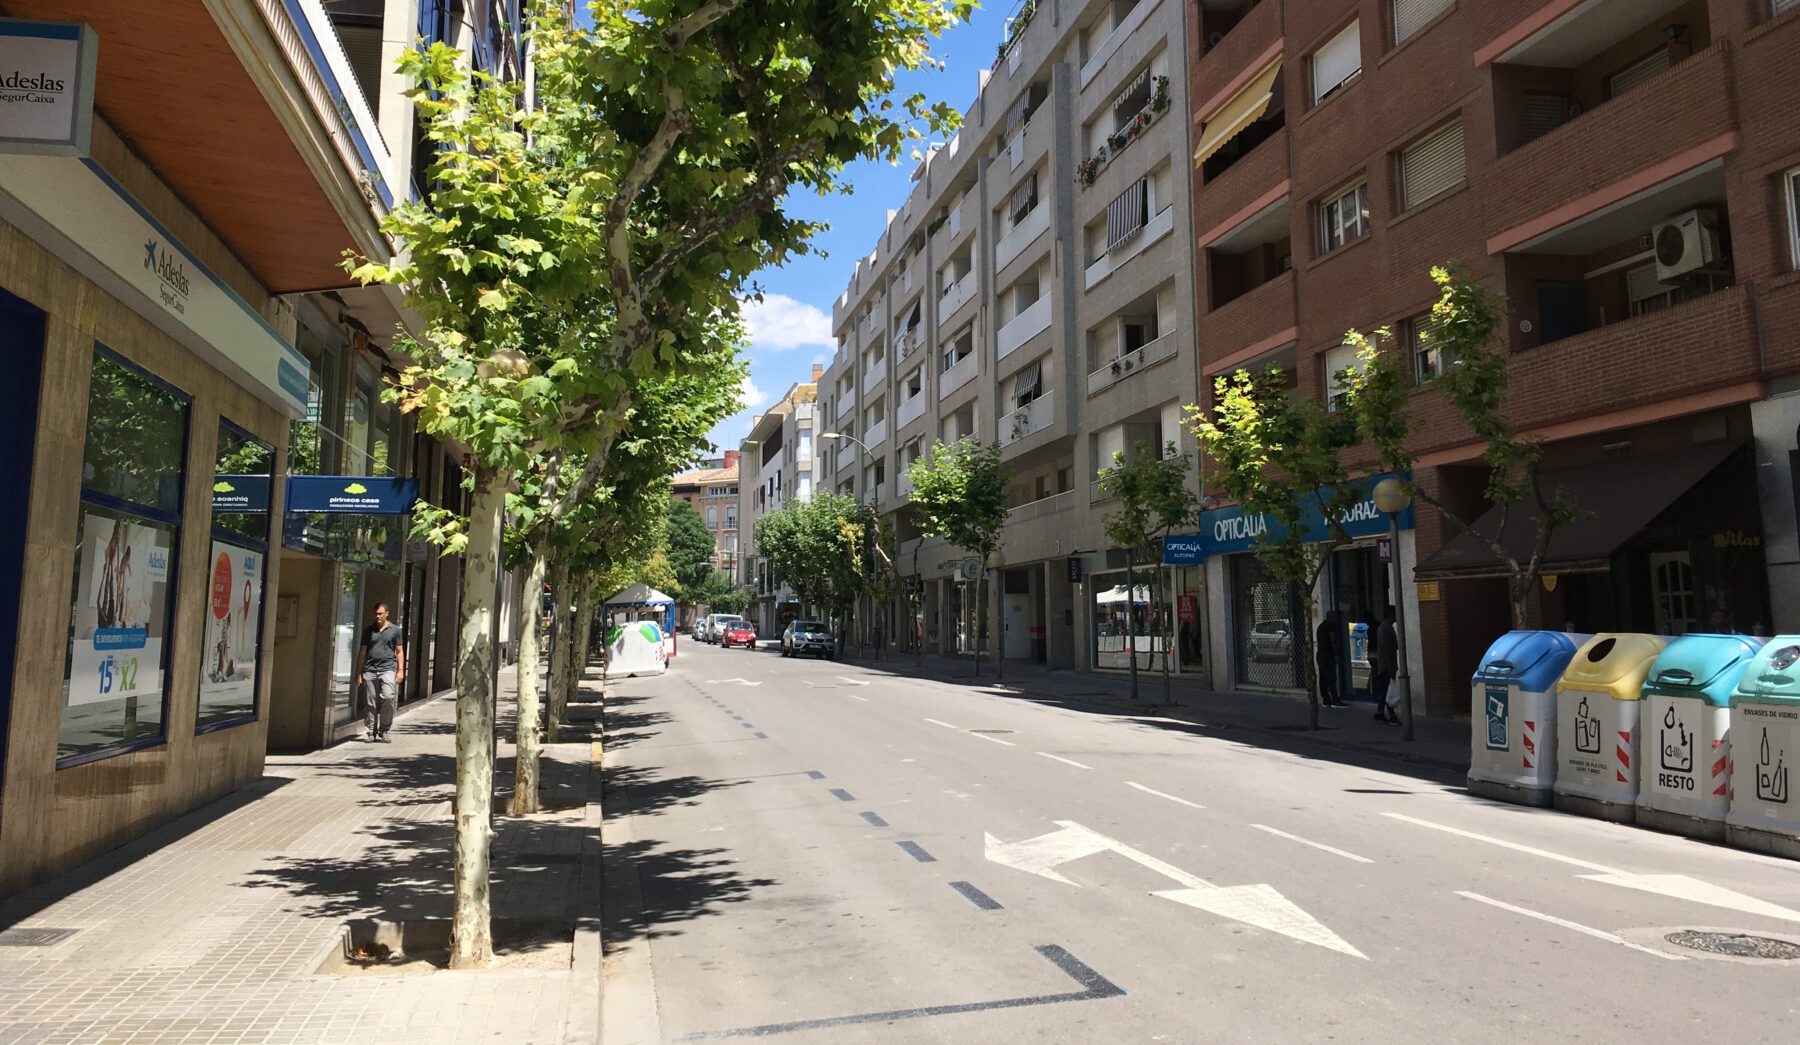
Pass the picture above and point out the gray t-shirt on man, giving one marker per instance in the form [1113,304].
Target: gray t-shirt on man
[378,648]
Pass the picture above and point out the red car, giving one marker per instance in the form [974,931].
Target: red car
[740,633]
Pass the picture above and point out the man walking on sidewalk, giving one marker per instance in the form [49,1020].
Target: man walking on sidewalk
[380,671]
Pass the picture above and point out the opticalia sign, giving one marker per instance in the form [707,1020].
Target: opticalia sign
[1229,530]
[46,87]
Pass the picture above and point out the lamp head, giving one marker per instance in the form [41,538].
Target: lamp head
[1391,496]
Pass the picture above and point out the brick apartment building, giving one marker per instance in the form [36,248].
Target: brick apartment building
[1627,172]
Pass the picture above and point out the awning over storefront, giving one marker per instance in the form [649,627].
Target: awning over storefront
[1619,498]
[1244,109]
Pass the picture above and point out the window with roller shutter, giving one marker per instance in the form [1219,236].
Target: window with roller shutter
[1339,363]
[1432,165]
[1336,62]
[1128,214]
[1637,73]
[1543,112]
[1790,191]
[1410,16]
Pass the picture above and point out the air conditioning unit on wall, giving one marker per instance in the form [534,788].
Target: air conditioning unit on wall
[1687,244]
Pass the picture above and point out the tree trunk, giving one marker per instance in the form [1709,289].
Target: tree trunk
[980,613]
[917,599]
[584,634]
[1309,660]
[527,736]
[471,931]
[565,641]
[1521,595]
[1165,634]
[1131,618]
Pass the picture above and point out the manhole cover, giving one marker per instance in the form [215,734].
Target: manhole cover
[31,937]
[990,731]
[1736,945]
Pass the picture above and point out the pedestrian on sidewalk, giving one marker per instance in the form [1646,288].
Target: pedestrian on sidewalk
[380,671]
[1389,638]
[1328,655]
[1372,650]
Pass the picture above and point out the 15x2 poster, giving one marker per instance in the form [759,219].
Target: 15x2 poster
[121,610]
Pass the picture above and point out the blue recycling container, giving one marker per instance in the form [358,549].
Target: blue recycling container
[1512,740]
[1765,730]
[1684,739]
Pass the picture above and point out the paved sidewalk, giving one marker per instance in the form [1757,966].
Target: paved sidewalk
[1440,743]
[210,929]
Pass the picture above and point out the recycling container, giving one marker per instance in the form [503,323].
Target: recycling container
[1596,725]
[1685,784]
[1512,698]
[1765,725]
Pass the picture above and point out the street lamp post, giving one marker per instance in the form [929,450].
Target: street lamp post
[1392,497]
[862,451]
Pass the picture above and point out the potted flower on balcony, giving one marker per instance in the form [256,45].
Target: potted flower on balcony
[1089,169]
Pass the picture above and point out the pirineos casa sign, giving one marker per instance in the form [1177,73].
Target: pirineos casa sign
[46,87]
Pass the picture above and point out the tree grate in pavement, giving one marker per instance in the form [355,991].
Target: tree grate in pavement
[33,936]
[1735,945]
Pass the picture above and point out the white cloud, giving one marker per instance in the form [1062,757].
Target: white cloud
[778,323]
[751,395]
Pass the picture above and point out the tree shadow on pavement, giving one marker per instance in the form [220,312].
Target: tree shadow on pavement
[624,728]
[650,795]
[676,885]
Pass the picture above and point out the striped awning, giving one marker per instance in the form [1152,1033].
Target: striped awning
[1244,109]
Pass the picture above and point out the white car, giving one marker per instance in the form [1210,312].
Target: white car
[721,621]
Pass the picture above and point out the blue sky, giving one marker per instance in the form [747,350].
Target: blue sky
[791,328]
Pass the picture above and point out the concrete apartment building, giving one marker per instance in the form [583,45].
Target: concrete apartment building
[1035,289]
[195,383]
[779,453]
[1624,171]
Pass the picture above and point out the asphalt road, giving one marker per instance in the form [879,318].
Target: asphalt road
[825,851]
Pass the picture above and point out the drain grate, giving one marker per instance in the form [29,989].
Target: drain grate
[990,731]
[24,936]
[1736,945]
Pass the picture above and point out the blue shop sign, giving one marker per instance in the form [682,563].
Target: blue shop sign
[240,493]
[351,494]
[1227,530]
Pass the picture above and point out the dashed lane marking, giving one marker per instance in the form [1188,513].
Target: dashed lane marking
[1278,833]
[1064,761]
[1598,934]
[842,795]
[946,725]
[995,740]
[917,852]
[874,820]
[976,896]
[1163,794]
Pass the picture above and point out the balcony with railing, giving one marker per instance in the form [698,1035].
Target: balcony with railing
[1133,362]
[1674,121]
[957,376]
[907,341]
[1249,320]
[955,296]
[1041,508]
[876,434]
[910,410]
[1231,55]
[1120,32]
[1028,420]
[846,404]
[1022,235]
[1034,320]
[1116,256]
[876,375]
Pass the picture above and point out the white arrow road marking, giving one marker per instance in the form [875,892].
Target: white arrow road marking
[1681,887]
[1316,845]
[1040,855]
[1598,934]
[946,725]
[1064,761]
[741,682]
[1161,794]
[853,682]
[1258,905]
[1265,908]
[1678,886]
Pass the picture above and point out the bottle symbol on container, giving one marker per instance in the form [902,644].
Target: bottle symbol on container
[1587,729]
[1677,749]
[1771,775]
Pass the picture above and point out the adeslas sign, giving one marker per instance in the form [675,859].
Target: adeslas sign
[1228,530]
[46,87]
